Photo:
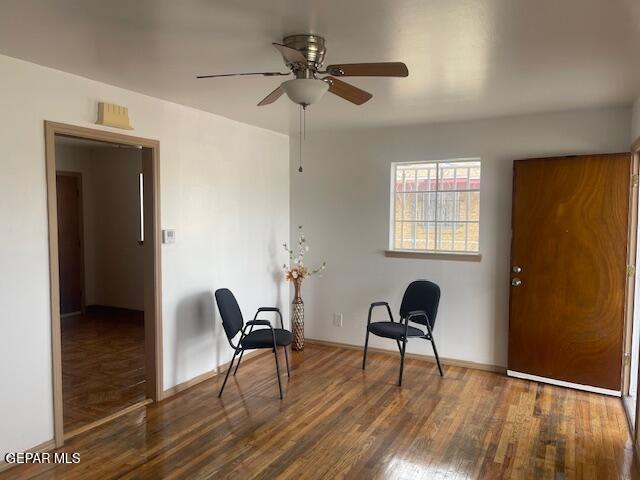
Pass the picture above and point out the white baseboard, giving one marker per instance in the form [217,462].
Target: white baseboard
[171,391]
[562,383]
[429,358]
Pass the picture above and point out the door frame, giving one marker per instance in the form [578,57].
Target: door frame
[78,176]
[152,265]
[631,277]
[633,239]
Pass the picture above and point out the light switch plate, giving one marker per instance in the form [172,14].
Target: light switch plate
[168,236]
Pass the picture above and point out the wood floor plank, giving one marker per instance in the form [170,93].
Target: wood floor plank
[337,421]
[102,364]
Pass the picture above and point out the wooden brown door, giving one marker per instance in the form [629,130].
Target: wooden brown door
[569,241]
[68,187]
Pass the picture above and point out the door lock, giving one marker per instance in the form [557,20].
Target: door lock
[516,269]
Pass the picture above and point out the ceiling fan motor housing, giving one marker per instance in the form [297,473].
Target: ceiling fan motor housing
[312,47]
[304,55]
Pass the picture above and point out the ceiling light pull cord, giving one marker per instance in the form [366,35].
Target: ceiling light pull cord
[302,134]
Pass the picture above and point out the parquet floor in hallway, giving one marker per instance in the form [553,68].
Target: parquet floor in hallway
[102,364]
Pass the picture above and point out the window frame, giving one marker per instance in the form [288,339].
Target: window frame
[472,254]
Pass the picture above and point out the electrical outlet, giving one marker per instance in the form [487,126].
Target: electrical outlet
[337,319]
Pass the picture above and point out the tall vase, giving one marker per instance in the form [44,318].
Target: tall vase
[297,317]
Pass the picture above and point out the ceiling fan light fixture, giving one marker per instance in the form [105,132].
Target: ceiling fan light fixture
[305,91]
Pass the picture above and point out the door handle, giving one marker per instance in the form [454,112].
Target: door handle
[516,282]
[516,269]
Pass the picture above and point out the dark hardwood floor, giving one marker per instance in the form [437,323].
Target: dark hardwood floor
[337,421]
[102,364]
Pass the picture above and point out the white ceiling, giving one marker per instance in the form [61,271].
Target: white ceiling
[467,58]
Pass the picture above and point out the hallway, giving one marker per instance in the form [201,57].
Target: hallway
[102,364]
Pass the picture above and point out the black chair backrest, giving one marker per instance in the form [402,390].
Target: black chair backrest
[232,320]
[421,295]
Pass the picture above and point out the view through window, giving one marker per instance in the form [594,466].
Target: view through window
[436,206]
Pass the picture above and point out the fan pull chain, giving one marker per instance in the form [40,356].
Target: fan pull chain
[303,133]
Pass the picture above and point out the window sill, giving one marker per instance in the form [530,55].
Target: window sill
[465,257]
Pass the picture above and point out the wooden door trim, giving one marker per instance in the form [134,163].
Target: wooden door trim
[635,152]
[152,269]
[78,175]
[630,286]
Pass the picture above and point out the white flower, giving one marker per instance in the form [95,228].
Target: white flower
[297,270]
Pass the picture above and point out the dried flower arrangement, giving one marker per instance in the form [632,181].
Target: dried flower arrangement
[297,271]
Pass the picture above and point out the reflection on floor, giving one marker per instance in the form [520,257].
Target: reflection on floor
[630,406]
[102,364]
[337,421]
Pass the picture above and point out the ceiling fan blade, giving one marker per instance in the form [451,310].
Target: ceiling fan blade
[272,97]
[291,55]
[389,69]
[347,91]
[264,74]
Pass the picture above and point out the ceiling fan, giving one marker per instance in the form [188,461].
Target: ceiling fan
[303,55]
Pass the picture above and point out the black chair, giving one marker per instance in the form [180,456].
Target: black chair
[270,337]
[419,305]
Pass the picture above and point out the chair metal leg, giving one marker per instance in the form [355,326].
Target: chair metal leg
[238,364]
[435,352]
[404,348]
[366,344]
[275,354]
[227,375]
[286,358]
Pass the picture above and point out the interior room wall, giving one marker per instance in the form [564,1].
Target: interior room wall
[342,199]
[113,258]
[229,227]
[119,260]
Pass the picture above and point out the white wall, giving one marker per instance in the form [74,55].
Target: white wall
[119,275]
[342,199]
[113,259]
[635,121]
[224,188]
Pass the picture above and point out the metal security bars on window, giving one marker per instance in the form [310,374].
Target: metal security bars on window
[436,206]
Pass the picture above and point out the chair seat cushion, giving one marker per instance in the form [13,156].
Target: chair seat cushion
[263,338]
[393,330]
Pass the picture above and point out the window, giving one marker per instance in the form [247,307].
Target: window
[435,206]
